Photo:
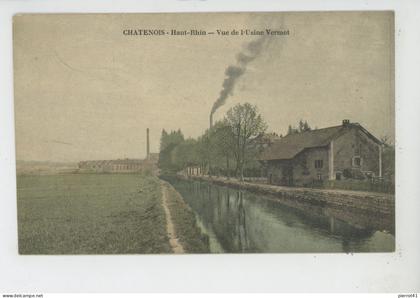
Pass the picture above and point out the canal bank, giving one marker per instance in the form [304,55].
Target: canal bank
[360,201]
[184,232]
[238,220]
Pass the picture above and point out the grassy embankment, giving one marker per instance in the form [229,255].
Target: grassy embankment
[189,234]
[91,214]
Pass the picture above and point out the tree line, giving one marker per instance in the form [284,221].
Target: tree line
[228,148]
[231,146]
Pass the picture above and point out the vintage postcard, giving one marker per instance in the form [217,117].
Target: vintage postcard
[205,132]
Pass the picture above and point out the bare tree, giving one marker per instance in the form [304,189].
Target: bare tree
[246,125]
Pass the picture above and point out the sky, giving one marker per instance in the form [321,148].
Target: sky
[83,90]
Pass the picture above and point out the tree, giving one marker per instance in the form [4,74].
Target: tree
[305,126]
[185,154]
[168,142]
[246,125]
[204,151]
[302,127]
[222,144]
[163,139]
[174,137]
[292,130]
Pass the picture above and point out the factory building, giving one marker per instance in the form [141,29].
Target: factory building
[126,165]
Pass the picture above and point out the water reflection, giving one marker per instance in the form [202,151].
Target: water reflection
[240,221]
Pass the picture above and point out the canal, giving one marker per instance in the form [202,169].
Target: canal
[238,221]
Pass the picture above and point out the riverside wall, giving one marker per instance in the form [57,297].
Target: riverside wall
[361,201]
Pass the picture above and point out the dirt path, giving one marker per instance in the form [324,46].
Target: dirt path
[170,229]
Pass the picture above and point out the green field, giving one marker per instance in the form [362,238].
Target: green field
[91,214]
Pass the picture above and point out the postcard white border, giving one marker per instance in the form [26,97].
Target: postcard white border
[369,272]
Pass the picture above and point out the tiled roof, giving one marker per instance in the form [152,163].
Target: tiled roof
[290,145]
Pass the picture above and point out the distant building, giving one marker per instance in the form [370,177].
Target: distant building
[123,165]
[333,153]
[116,166]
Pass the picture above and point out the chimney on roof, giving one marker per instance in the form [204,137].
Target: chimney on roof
[346,122]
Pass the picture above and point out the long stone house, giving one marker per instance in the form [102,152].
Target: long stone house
[120,165]
[340,152]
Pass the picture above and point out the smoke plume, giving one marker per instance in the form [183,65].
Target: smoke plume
[233,72]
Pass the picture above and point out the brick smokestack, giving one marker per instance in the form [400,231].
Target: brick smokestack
[148,145]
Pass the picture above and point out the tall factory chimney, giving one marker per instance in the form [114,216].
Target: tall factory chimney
[148,145]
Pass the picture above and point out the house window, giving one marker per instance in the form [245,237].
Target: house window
[319,176]
[318,164]
[357,161]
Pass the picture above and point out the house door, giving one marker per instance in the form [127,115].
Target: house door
[288,175]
